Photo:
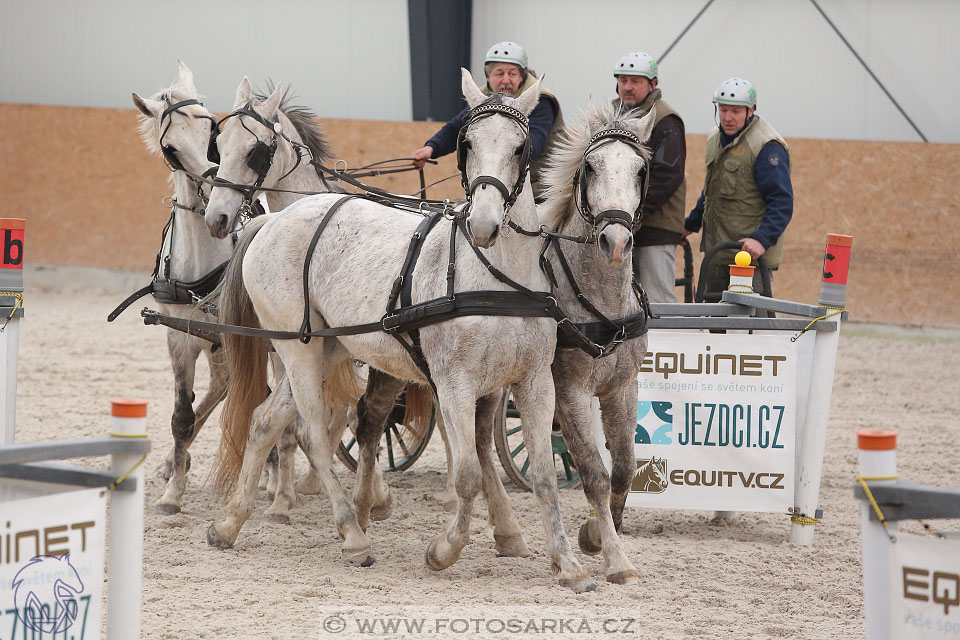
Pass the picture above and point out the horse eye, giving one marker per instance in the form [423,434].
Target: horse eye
[467,144]
[518,151]
[589,168]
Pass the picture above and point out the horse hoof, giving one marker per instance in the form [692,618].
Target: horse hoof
[579,585]
[624,577]
[434,563]
[362,559]
[309,486]
[586,542]
[277,518]
[166,509]
[513,546]
[381,511]
[214,539]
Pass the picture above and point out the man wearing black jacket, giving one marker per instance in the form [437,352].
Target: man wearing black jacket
[506,69]
[664,207]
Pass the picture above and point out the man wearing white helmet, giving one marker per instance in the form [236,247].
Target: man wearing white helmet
[506,69]
[664,206]
[747,193]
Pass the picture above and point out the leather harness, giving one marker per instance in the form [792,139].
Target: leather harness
[598,339]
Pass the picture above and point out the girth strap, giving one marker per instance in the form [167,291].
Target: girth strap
[305,333]
[173,291]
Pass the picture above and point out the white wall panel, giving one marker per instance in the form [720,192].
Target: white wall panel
[808,82]
[350,59]
[344,59]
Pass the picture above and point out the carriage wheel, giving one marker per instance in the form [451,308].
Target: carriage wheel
[404,444]
[512,452]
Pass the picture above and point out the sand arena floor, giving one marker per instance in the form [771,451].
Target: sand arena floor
[699,578]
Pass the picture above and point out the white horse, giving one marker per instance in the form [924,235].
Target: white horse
[600,171]
[353,266]
[182,134]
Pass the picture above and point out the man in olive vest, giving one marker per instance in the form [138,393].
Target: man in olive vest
[747,194]
[655,243]
[506,69]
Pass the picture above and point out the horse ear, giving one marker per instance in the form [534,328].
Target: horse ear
[244,91]
[470,89]
[147,107]
[185,78]
[271,104]
[644,127]
[529,98]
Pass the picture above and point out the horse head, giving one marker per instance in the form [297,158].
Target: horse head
[611,182]
[250,150]
[493,155]
[175,124]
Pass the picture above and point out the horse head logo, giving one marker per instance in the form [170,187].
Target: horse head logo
[651,476]
[43,605]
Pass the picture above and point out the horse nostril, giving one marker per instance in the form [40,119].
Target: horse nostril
[222,223]
[604,243]
[493,236]
[628,245]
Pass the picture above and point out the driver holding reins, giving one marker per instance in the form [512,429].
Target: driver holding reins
[506,69]
[747,193]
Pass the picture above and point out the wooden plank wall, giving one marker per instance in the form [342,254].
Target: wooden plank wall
[91,195]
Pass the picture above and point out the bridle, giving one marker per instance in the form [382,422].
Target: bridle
[170,154]
[260,159]
[611,216]
[492,107]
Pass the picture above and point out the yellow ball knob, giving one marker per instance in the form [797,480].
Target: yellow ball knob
[742,259]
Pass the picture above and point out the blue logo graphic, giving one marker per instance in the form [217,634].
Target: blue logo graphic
[655,418]
[44,607]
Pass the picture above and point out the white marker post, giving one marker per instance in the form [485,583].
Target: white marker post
[812,434]
[878,459]
[125,564]
[741,281]
[11,284]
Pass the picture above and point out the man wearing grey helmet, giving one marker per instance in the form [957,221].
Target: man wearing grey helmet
[747,193]
[664,205]
[506,69]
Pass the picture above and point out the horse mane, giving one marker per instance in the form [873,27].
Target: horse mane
[304,121]
[562,164]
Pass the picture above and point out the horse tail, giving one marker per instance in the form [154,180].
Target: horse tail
[419,408]
[342,387]
[246,365]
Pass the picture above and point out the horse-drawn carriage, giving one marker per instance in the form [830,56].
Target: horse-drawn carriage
[487,296]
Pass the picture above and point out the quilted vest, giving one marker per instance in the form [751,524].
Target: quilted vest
[734,205]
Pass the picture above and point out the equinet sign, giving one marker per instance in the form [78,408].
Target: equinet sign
[940,587]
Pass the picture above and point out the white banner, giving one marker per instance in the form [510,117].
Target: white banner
[716,417]
[51,565]
[924,588]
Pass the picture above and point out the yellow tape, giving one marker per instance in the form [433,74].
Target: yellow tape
[19,297]
[873,503]
[113,485]
[836,311]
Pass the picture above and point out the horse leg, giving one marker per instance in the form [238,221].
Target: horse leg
[325,425]
[183,357]
[450,490]
[309,484]
[606,493]
[458,408]
[372,412]
[271,469]
[535,400]
[284,496]
[267,425]
[507,534]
